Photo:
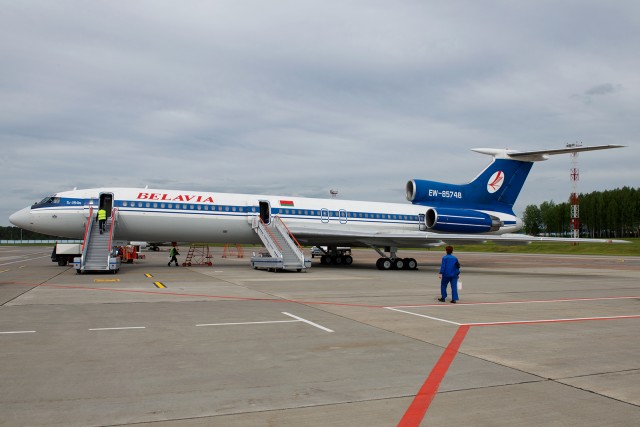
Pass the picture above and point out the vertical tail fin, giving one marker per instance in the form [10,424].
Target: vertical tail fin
[496,188]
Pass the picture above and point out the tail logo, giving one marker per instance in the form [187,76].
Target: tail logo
[495,182]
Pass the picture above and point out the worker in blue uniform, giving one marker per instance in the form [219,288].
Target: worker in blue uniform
[449,272]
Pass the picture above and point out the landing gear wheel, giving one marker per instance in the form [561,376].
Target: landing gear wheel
[383,264]
[398,264]
[327,259]
[348,260]
[336,260]
[410,264]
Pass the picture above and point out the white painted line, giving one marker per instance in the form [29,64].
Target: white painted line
[25,260]
[18,332]
[118,329]
[307,321]
[248,323]
[575,319]
[425,316]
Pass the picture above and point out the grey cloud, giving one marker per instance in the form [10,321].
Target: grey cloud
[296,97]
[604,89]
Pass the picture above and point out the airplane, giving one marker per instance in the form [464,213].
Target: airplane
[439,214]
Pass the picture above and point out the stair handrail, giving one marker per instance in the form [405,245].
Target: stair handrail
[266,227]
[86,237]
[114,212]
[297,251]
[289,232]
[261,226]
[87,227]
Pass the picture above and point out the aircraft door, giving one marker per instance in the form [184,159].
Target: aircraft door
[342,214]
[421,222]
[106,203]
[324,215]
[265,211]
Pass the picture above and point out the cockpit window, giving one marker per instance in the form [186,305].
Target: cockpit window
[47,201]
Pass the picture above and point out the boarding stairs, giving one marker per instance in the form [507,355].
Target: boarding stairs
[284,251]
[97,254]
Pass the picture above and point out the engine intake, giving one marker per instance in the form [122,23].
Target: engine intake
[461,220]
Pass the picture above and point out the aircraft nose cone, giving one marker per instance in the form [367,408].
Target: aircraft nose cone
[21,218]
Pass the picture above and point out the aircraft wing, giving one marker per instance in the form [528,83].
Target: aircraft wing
[419,239]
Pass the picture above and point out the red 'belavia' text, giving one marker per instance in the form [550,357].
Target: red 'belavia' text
[173,198]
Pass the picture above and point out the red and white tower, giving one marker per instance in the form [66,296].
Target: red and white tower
[574,199]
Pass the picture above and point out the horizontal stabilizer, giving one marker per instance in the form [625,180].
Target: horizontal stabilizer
[539,155]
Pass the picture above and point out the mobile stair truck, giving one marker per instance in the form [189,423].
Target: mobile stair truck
[97,252]
[284,251]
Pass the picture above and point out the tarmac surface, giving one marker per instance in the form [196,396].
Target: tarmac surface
[535,340]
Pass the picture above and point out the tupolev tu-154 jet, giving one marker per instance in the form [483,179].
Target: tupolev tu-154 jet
[439,213]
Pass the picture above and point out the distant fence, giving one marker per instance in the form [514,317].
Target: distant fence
[37,242]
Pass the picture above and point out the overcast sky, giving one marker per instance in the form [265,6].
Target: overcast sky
[300,97]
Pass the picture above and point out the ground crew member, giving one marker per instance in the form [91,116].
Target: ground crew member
[173,252]
[102,218]
[449,272]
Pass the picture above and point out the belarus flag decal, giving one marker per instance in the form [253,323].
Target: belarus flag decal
[286,203]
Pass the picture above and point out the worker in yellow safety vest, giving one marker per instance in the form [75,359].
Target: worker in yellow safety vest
[102,218]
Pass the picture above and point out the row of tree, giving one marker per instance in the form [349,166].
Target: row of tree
[604,214]
[15,233]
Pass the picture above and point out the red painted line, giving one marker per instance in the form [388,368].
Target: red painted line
[460,303]
[418,408]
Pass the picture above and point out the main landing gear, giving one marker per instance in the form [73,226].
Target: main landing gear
[393,262]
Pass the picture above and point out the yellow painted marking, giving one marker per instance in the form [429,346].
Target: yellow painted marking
[106,280]
[3,271]
[23,266]
[159,285]
[148,275]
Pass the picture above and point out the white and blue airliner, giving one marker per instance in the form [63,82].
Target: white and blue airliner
[438,213]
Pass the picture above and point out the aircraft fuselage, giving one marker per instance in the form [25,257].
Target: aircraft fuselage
[170,215]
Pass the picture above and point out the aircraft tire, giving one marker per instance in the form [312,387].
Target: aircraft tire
[348,260]
[337,260]
[383,264]
[327,259]
[398,264]
[410,264]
